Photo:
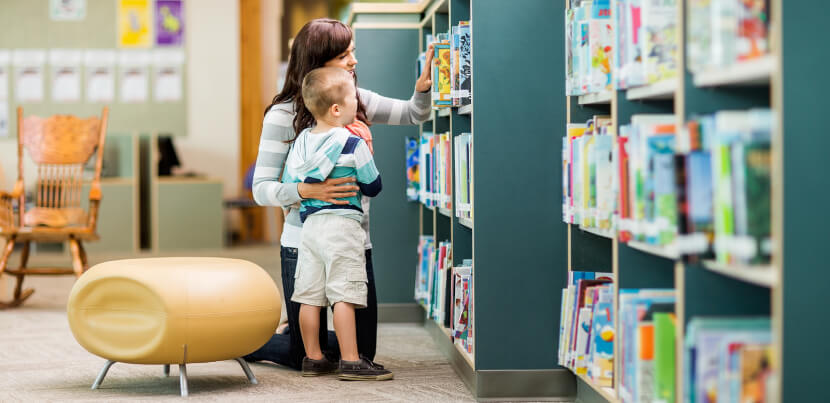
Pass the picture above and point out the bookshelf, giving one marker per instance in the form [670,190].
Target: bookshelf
[505,246]
[540,249]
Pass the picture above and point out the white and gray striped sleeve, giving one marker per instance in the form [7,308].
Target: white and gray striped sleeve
[273,150]
[391,111]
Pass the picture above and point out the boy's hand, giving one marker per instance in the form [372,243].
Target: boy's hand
[330,190]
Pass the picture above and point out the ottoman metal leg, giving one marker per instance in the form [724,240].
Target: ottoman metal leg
[247,369]
[183,379]
[102,374]
[166,370]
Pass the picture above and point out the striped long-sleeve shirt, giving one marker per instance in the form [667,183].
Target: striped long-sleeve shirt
[277,128]
[334,154]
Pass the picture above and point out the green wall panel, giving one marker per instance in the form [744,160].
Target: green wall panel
[189,215]
[520,247]
[387,66]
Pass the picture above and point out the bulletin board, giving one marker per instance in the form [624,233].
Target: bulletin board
[30,24]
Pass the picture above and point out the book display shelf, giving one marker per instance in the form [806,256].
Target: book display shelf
[522,252]
[704,287]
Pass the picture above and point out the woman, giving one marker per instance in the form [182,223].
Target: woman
[329,43]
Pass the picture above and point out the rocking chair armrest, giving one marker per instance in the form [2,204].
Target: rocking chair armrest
[95,191]
[7,216]
[18,189]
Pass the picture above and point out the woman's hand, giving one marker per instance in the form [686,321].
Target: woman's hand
[329,191]
[424,82]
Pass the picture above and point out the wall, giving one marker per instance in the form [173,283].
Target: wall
[212,142]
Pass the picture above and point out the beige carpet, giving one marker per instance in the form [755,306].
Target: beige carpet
[40,360]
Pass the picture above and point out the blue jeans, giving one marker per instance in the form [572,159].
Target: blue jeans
[288,350]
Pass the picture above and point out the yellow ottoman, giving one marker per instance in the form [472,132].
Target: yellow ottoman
[173,311]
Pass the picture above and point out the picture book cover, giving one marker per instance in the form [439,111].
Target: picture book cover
[664,356]
[659,20]
[698,34]
[753,29]
[413,181]
[758,188]
[455,60]
[583,74]
[465,63]
[569,52]
[662,191]
[602,361]
[699,192]
[442,80]
[601,37]
[755,369]
[619,48]
[605,195]
[634,67]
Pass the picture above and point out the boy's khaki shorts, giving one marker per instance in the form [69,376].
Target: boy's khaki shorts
[331,262]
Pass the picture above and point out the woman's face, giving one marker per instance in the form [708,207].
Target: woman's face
[346,60]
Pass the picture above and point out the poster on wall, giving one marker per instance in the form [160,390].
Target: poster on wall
[5,58]
[167,68]
[133,66]
[67,10]
[100,75]
[169,23]
[134,26]
[28,74]
[65,65]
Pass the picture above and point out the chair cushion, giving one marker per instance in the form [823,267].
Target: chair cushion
[145,311]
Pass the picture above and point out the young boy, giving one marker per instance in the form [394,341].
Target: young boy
[331,265]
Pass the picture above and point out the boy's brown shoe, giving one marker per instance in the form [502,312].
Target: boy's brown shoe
[318,367]
[363,370]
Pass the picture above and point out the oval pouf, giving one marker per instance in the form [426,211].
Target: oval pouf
[145,311]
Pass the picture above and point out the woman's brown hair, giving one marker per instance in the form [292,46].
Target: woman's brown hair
[317,42]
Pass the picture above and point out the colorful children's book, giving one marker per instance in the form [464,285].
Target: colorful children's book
[413,181]
[441,75]
[660,23]
[664,357]
[602,360]
[465,63]
[601,39]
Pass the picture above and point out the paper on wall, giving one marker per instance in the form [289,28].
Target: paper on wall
[28,74]
[65,65]
[4,118]
[67,10]
[100,75]
[133,67]
[167,67]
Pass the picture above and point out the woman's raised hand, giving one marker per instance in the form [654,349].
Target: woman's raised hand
[331,190]
[424,82]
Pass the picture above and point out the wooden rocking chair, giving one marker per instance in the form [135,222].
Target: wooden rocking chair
[60,146]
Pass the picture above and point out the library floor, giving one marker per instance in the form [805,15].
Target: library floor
[40,360]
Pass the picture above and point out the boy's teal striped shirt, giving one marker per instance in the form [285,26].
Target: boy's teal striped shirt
[314,157]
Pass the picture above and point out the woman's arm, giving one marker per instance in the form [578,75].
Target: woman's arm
[273,150]
[277,128]
[390,111]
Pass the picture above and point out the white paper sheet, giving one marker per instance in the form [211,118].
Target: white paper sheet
[67,10]
[168,75]
[65,65]
[134,83]
[4,118]
[5,58]
[28,68]
[100,75]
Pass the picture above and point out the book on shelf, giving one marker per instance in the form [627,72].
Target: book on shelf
[721,33]
[660,27]
[728,360]
[433,278]
[601,40]
[462,327]
[638,341]
[413,181]
[423,270]
[730,184]
[461,64]
[588,197]
[425,169]
[586,326]
[463,171]
[441,75]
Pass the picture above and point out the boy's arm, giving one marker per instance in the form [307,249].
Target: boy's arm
[368,177]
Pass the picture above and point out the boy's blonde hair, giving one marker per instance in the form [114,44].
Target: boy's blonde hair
[324,87]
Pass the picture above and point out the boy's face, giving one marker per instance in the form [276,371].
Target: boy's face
[348,109]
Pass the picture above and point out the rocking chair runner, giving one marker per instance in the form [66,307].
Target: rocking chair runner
[60,146]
